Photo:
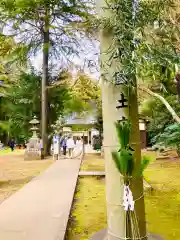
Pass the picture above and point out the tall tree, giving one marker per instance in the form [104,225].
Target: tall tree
[86,89]
[49,26]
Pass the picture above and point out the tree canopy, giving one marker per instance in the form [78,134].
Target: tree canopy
[23,100]
[28,22]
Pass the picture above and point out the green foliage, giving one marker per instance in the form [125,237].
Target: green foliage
[144,163]
[24,101]
[85,96]
[157,113]
[4,126]
[99,119]
[170,136]
[124,158]
[124,162]
[8,70]
[137,47]
[6,45]
[86,89]
[8,75]
[123,132]
[158,69]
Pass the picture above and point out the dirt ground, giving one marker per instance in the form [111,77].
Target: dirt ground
[15,172]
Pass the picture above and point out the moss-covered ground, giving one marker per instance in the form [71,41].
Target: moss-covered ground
[162,205]
[89,211]
[93,163]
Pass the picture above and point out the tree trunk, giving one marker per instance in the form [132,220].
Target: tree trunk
[49,142]
[114,181]
[137,183]
[44,107]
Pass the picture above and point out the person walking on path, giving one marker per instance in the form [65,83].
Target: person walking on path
[12,145]
[70,146]
[63,143]
[60,143]
[78,148]
[79,143]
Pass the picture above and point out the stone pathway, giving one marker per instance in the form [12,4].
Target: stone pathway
[40,210]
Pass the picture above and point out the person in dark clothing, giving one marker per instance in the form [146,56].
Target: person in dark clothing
[64,146]
[25,144]
[12,145]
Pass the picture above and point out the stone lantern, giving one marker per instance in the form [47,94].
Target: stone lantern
[34,148]
[34,128]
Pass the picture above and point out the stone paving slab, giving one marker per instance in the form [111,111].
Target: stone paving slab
[40,210]
[147,186]
[87,173]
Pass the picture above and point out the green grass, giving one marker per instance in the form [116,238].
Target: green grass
[8,151]
[89,214]
[93,162]
[162,205]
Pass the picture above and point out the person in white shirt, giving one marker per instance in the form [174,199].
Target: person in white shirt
[78,148]
[70,146]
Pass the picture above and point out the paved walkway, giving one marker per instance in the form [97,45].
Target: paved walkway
[40,210]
